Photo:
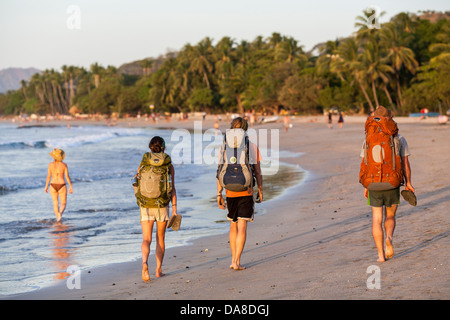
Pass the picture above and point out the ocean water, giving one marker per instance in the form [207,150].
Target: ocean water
[101,222]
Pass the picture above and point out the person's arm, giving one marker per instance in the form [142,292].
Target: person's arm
[407,173]
[259,180]
[220,201]
[48,177]
[174,192]
[66,173]
[361,154]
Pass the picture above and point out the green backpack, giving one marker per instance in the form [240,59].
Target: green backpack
[154,187]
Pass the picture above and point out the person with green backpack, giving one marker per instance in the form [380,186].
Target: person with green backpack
[154,189]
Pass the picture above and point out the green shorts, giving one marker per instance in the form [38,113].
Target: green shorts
[384,198]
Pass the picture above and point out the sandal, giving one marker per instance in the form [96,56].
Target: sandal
[174,222]
[409,196]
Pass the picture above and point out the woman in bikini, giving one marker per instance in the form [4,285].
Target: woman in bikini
[58,190]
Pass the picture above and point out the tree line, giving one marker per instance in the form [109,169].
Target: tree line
[404,64]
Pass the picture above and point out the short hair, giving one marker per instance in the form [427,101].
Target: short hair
[240,123]
[382,112]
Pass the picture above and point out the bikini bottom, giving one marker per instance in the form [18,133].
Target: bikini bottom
[57,186]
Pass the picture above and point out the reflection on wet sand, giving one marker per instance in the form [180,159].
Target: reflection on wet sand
[61,250]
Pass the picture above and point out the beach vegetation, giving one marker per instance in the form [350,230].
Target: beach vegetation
[403,64]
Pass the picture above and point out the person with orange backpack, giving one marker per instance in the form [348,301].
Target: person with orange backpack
[384,168]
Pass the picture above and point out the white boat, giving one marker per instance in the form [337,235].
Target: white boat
[269,119]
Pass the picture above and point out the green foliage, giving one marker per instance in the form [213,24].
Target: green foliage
[200,99]
[402,65]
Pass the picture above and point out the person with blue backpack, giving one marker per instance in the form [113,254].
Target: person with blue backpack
[239,167]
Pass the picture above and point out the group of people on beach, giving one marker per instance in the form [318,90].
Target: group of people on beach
[240,204]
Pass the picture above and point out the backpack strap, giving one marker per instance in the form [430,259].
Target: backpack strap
[391,142]
[248,164]
[365,150]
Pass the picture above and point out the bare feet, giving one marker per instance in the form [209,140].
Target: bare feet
[145,275]
[159,274]
[237,267]
[389,248]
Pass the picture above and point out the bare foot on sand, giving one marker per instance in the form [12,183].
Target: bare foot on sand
[159,274]
[145,275]
[389,248]
[237,267]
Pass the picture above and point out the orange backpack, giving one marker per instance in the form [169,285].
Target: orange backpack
[381,167]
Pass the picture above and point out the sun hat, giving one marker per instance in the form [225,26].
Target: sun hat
[57,154]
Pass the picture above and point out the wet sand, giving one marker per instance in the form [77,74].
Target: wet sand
[312,242]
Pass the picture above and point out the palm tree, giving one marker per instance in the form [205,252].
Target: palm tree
[365,23]
[96,70]
[399,56]
[275,40]
[327,55]
[23,84]
[201,61]
[68,74]
[441,48]
[224,52]
[36,82]
[376,68]
[146,66]
[348,61]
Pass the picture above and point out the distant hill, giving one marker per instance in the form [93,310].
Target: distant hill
[135,67]
[434,16]
[10,78]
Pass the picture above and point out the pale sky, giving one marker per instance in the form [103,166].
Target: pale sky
[48,33]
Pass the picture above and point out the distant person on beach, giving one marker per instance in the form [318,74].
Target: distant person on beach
[286,123]
[390,198]
[56,172]
[330,120]
[156,209]
[341,120]
[240,203]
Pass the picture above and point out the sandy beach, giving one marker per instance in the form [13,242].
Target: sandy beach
[314,241]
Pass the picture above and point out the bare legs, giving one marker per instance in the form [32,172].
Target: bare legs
[238,235]
[377,231]
[147,228]
[56,196]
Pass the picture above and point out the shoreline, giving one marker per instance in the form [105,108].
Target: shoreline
[284,170]
[174,250]
[313,242]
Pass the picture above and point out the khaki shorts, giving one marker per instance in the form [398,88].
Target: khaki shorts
[152,214]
